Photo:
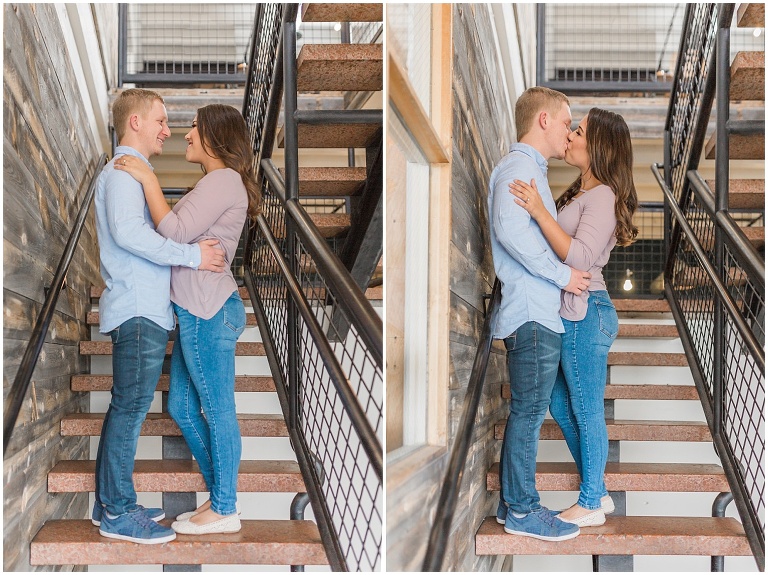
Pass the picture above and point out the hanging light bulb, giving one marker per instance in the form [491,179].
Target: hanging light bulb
[337,26]
[628,281]
[756,32]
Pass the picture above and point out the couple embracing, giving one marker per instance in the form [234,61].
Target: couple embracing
[556,318]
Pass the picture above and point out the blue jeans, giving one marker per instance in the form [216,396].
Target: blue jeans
[577,399]
[533,355]
[203,382]
[138,350]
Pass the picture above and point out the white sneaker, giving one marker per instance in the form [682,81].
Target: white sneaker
[229,524]
[606,504]
[186,515]
[592,519]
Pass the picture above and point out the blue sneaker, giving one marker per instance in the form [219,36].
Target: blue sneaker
[154,513]
[135,527]
[501,512]
[541,524]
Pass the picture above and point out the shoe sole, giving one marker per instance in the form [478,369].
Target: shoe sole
[543,537]
[158,518]
[500,521]
[155,541]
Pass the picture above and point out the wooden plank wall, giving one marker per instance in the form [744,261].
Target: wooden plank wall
[482,132]
[49,157]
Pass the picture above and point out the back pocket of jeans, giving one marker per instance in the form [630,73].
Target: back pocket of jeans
[234,315]
[609,320]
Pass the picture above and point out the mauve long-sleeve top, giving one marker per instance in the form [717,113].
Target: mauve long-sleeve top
[215,208]
[590,220]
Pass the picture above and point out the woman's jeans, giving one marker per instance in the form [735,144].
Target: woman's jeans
[138,351]
[533,356]
[203,379]
[577,398]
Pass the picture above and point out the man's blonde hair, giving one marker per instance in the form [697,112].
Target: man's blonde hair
[533,101]
[129,102]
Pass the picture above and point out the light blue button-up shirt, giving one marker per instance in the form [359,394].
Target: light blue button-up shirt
[530,273]
[135,259]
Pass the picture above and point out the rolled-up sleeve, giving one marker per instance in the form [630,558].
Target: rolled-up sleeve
[125,210]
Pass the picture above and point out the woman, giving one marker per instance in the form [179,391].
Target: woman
[594,214]
[210,312]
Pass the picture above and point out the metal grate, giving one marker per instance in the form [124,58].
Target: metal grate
[636,270]
[614,47]
[184,43]
[352,491]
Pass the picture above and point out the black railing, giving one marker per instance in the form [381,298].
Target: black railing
[714,278]
[446,506]
[329,379]
[181,44]
[21,382]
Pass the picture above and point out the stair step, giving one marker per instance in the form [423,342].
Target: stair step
[647,359]
[641,305]
[251,425]
[242,348]
[340,67]
[748,76]
[670,477]
[755,235]
[648,330]
[93,318]
[751,15]
[77,542]
[330,181]
[312,12]
[335,135]
[626,536]
[744,194]
[104,383]
[174,475]
[631,430]
[740,147]
[329,225]
[649,391]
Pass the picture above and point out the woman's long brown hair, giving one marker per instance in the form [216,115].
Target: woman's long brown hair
[224,135]
[610,154]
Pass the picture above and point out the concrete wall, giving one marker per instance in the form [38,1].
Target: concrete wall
[51,144]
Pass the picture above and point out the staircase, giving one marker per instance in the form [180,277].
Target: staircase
[643,324]
[647,324]
[265,486]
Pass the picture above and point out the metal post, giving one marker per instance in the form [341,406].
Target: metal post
[541,44]
[122,50]
[718,510]
[614,562]
[291,193]
[175,504]
[298,505]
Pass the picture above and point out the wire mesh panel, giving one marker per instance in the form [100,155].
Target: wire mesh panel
[636,270]
[351,488]
[185,43]
[617,46]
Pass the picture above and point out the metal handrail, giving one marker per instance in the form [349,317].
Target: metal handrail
[446,506]
[23,377]
[707,27]
[301,233]
[722,291]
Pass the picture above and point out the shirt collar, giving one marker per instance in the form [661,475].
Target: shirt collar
[529,150]
[128,151]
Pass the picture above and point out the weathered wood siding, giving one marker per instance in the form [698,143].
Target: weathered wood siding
[48,158]
[482,131]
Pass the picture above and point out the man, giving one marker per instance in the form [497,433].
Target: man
[529,317]
[135,310]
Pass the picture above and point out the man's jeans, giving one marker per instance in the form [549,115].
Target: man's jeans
[577,398]
[203,378]
[533,355]
[138,350]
